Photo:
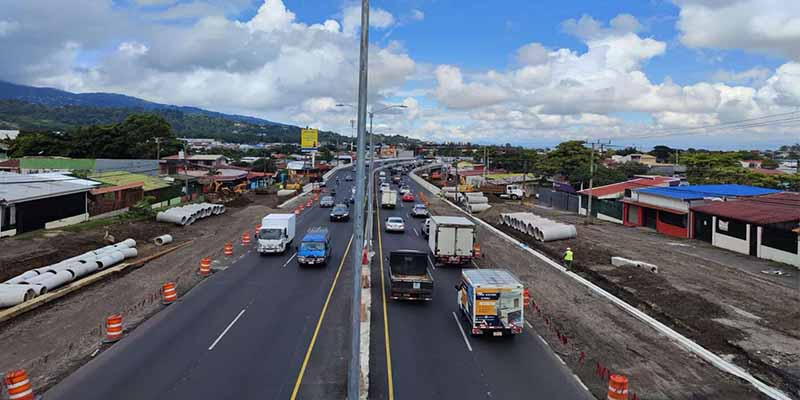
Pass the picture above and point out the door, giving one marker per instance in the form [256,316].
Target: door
[753,240]
[650,217]
[703,227]
[464,241]
[446,240]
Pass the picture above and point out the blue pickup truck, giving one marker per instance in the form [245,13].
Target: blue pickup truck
[315,248]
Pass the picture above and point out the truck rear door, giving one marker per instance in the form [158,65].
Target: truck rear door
[464,238]
[446,240]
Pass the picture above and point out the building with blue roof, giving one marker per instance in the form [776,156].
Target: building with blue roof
[667,209]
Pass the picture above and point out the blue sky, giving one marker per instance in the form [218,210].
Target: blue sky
[526,72]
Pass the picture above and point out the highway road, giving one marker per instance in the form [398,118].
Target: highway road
[419,350]
[252,331]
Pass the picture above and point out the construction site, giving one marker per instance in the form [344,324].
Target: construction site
[745,310]
[53,339]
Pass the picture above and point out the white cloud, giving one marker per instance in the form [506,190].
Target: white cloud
[532,54]
[752,77]
[378,18]
[771,26]
[148,3]
[454,93]
[7,27]
[195,9]
[417,15]
[132,49]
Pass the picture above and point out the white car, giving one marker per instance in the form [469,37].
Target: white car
[385,186]
[395,224]
[404,189]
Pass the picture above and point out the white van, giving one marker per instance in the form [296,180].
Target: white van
[276,233]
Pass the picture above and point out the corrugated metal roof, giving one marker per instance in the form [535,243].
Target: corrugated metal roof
[56,176]
[118,178]
[57,163]
[694,192]
[620,187]
[18,188]
[767,209]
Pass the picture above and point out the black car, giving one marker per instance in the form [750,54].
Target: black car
[340,212]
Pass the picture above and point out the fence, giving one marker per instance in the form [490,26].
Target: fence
[559,200]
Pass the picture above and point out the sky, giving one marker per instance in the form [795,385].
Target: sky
[533,73]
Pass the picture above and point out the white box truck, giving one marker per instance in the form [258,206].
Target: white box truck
[276,233]
[389,199]
[451,239]
[491,302]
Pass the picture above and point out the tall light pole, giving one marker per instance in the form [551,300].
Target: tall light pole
[354,370]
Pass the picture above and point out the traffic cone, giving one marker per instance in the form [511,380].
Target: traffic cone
[258,229]
[228,249]
[113,328]
[169,293]
[245,239]
[205,267]
[18,385]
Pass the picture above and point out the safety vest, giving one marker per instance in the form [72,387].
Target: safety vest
[568,255]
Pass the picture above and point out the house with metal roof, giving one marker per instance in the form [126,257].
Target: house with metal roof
[667,209]
[605,199]
[30,202]
[766,226]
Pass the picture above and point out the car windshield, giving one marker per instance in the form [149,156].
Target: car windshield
[419,207]
[340,209]
[327,199]
[270,233]
[312,246]
[395,220]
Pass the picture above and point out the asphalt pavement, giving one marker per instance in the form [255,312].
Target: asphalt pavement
[429,353]
[263,328]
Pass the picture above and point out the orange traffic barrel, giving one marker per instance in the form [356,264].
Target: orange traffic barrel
[258,229]
[168,293]
[297,211]
[476,248]
[205,266]
[526,297]
[309,203]
[617,387]
[228,249]
[18,385]
[245,239]
[113,328]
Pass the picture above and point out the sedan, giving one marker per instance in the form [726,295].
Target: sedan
[327,201]
[405,189]
[419,211]
[348,178]
[395,224]
[408,197]
[340,212]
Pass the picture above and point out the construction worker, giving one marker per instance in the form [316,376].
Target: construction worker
[568,258]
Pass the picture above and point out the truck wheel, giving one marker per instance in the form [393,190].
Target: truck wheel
[514,197]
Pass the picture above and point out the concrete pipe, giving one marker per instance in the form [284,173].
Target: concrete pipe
[11,295]
[57,280]
[81,270]
[478,200]
[129,252]
[550,233]
[22,277]
[38,278]
[127,243]
[476,208]
[110,259]
[162,240]
[174,218]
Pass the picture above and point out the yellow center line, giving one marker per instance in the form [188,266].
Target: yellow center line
[389,380]
[319,324]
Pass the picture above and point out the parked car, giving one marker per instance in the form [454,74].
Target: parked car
[419,211]
[340,212]
[405,189]
[395,224]
[408,197]
[327,201]
[426,227]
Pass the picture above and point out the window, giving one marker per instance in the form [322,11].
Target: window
[732,228]
[678,220]
[12,218]
[781,239]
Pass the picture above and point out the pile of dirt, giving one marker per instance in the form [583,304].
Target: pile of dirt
[239,202]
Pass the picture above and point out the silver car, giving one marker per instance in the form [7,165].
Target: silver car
[395,224]
[327,201]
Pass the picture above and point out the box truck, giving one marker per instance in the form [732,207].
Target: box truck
[389,199]
[276,233]
[451,239]
[491,302]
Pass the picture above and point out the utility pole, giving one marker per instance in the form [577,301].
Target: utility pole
[353,139]
[186,171]
[591,184]
[158,148]
[354,369]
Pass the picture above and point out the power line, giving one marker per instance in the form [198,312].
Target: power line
[767,120]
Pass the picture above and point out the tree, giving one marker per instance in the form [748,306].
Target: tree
[38,143]
[259,165]
[570,159]
[627,151]
[769,164]
[325,154]
[630,169]
[662,153]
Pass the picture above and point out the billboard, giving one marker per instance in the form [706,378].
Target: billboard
[309,139]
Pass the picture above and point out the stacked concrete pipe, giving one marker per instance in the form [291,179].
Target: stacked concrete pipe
[537,227]
[475,202]
[188,214]
[38,281]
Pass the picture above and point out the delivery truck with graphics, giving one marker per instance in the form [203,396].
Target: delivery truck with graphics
[491,302]
[451,239]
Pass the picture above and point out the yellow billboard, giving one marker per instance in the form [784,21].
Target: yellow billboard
[309,139]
